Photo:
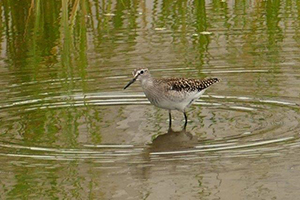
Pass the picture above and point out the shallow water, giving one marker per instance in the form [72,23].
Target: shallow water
[69,131]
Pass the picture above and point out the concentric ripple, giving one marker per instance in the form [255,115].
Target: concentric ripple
[244,126]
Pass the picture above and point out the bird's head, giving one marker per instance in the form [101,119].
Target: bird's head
[138,74]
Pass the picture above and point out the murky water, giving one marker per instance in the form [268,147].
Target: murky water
[69,131]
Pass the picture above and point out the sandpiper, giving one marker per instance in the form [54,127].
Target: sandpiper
[171,93]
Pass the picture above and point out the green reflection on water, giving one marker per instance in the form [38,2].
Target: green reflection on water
[48,47]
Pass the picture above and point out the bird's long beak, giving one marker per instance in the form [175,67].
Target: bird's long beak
[132,81]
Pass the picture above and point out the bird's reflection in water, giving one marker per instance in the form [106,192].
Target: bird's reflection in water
[173,141]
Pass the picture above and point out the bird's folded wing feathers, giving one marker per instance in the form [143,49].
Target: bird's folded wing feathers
[179,84]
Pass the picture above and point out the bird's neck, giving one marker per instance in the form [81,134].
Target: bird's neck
[147,82]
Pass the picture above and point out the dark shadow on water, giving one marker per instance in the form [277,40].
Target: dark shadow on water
[173,141]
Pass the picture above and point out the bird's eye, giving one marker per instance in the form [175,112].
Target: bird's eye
[141,72]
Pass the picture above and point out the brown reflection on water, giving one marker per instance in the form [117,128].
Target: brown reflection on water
[69,131]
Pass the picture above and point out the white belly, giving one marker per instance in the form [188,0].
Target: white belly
[174,100]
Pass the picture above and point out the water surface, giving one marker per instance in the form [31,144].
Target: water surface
[69,131]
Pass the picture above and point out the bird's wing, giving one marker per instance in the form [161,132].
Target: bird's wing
[182,84]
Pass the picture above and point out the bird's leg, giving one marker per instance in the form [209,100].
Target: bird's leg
[170,119]
[185,123]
